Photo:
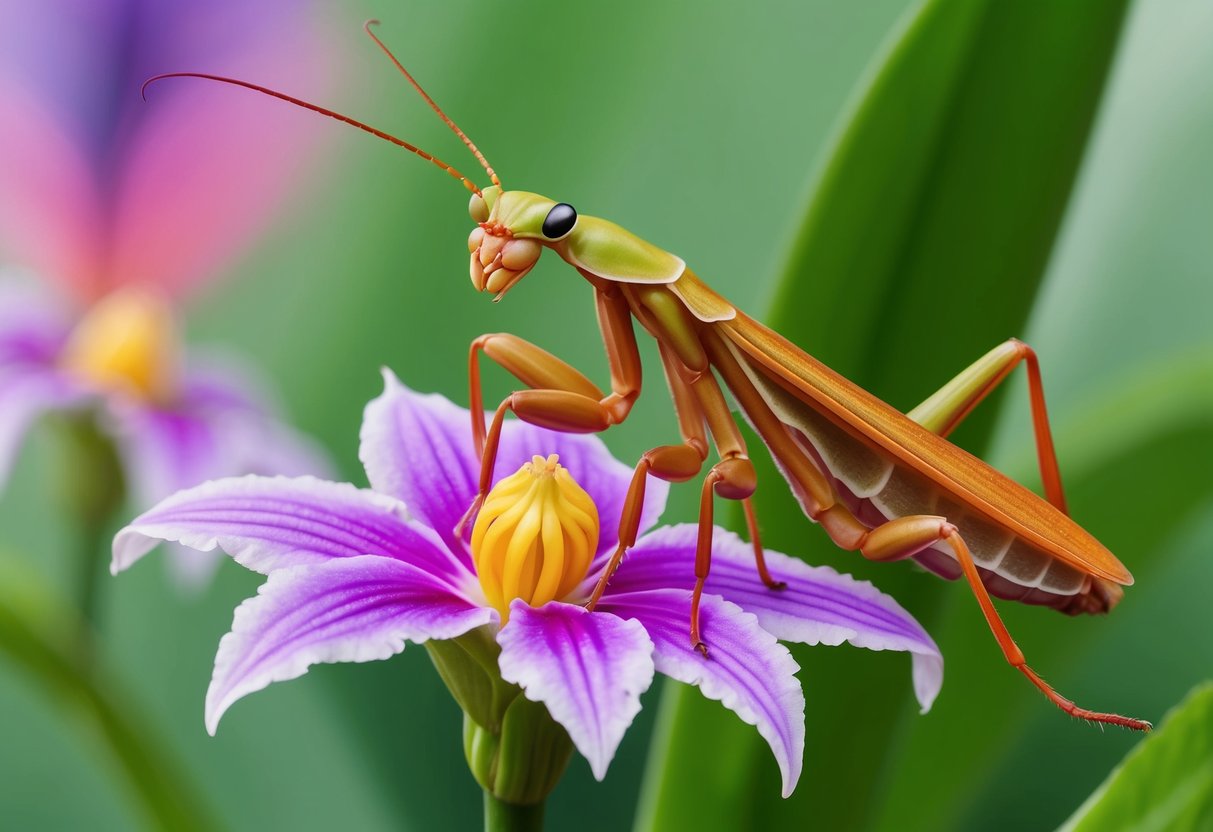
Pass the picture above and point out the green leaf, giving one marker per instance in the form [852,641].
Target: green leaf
[51,643]
[1166,782]
[923,243]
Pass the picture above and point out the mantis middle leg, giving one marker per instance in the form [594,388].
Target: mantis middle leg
[732,477]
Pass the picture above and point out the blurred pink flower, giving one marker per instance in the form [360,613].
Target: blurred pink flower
[99,189]
[119,208]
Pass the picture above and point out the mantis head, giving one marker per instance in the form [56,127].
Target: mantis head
[512,228]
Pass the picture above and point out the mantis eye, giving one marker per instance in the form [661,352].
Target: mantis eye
[478,208]
[560,221]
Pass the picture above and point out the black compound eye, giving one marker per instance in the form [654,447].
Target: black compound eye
[559,221]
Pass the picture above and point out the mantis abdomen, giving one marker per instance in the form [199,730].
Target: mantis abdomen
[877,488]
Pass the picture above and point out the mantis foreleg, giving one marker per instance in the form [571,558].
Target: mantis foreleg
[561,397]
[948,407]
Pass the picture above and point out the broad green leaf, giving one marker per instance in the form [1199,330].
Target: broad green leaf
[1166,783]
[924,239]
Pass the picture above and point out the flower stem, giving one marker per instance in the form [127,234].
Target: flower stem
[91,490]
[500,816]
[57,652]
[90,563]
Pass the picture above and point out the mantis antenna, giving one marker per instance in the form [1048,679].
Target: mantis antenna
[368,27]
[471,186]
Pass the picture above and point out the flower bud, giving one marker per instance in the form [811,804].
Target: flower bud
[535,536]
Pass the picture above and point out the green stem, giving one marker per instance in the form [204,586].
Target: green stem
[500,816]
[91,490]
[91,563]
[64,666]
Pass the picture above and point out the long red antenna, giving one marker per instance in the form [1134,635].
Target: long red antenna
[471,186]
[449,123]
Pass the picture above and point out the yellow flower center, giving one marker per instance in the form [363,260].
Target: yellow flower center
[535,536]
[127,342]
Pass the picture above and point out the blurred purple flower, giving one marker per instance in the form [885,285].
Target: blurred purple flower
[122,207]
[99,189]
[173,426]
[353,575]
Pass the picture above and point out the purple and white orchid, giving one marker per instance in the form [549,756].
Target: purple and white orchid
[112,210]
[354,574]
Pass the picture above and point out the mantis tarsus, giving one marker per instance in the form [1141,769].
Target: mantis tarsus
[886,484]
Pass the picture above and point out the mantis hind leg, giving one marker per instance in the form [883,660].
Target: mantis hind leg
[905,536]
[948,407]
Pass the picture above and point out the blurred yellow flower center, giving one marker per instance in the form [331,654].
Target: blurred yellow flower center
[127,342]
[535,536]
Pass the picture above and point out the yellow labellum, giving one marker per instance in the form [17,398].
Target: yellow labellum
[127,342]
[535,536]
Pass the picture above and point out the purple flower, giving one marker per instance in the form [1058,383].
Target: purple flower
[172,425]
[119,208]
[354,574]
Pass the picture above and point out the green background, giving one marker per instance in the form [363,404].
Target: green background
[699,127]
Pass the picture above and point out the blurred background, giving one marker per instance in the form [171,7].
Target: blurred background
[704,128]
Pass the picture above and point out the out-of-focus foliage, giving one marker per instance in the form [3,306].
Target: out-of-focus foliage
[698,128]
[1164,783]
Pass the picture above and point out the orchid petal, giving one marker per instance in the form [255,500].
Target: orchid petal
[25,395]
[106,188]
[33,323]
[355,610]
[818,605]
[588,669]
[164,451]
[418,448]
[748,671]
[215,429]
[271,523]
[49,215]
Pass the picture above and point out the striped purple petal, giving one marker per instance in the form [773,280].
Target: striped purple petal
[418,448]
[748,671]
[354,610]
[818,605]
[589,669]
[271,523]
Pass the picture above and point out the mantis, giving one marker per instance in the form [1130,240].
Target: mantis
[879,482]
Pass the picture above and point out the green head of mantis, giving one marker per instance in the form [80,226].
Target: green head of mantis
[513,228]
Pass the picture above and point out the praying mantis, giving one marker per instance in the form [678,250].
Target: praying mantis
[879,482]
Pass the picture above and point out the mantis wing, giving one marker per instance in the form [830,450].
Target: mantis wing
[802,390]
